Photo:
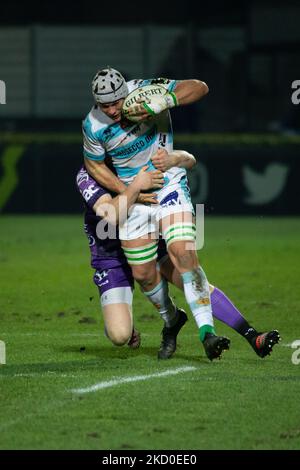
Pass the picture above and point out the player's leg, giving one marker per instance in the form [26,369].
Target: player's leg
[138,236]
[116,289]
[118,322]
[224,310]
[141,256]
[222,307]
[179,233]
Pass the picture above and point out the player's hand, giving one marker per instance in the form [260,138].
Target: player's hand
[149,179]
[145,198]
[149,107]
[138,112]
[159,103]
[162,160]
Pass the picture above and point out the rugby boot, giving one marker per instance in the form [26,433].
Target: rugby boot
[263,343]
[169,336]
[215,345]
[135,340]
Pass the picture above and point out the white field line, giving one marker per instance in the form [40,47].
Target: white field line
[56,404]
[136,378]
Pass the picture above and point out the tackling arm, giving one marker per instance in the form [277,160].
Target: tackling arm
[115,210]
[182,159]
[104,176]
[163,161]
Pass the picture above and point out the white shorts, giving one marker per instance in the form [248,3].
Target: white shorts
[118,295]
[144,219]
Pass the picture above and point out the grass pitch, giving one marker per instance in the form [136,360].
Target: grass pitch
[51,323]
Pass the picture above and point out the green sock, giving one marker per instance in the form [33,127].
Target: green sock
[205,329]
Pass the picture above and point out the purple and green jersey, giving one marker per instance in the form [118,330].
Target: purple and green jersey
[106,253]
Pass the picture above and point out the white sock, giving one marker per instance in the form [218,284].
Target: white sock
[196,289]
[159,296]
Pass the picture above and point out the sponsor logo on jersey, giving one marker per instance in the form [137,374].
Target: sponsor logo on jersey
[99,276]
[162,142]
[160,81]
[170,200]
[137,146]
[82,176]
[92,240]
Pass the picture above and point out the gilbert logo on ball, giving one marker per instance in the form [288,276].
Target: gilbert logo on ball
[142,94]
[2,92]
[145,92]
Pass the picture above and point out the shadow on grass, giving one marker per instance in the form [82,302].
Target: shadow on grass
[123,352]
[50,367]
[102,362]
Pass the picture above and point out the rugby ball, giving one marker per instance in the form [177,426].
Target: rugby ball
[147,94]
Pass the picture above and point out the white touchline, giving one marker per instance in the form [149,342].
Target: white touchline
[135,378]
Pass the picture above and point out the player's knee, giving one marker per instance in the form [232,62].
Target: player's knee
[119,337]
[144,274]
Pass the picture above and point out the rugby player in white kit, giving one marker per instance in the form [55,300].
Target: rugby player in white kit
[130,145]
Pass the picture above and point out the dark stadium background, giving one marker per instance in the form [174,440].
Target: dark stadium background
[245,133]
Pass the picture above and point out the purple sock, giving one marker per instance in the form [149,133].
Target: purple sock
[224,310]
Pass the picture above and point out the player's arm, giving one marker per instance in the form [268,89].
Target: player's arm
[94,155]
[104,176]
[182,159]
[163,161]
[115,210]
[183,93]
[189,91]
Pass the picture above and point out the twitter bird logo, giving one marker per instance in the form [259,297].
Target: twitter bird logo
[264,187]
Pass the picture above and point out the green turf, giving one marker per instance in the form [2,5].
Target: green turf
[49,310]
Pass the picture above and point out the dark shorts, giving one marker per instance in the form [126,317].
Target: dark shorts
[161,250]
[121,276]
[111,278]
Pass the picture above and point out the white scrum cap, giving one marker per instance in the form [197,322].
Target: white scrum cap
[108,86]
